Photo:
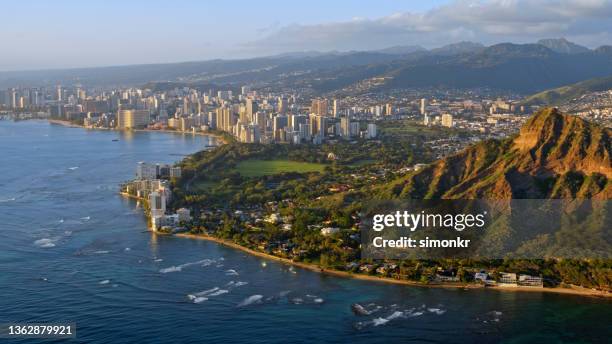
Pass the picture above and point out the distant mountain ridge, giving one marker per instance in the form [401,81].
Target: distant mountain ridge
[563,94]
[518,67]
[563,46]
[554,156]
[522,68]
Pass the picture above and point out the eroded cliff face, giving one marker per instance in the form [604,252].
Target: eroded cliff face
[554,156]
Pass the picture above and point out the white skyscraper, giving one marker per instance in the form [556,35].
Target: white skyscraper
[423,106]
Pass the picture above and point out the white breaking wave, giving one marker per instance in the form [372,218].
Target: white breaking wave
[206,292]
[240,283]
[231,272]
[86,218]
[177,268]
[358,309]
[297,300]
[437,311]
[219,292]
[105,282]
[379,321]
[73,168]
[382,321]
[253,299]
[415,314]
[171,269]
[199,299]
[207,262]
[6,200]
[45,242]
[101,252]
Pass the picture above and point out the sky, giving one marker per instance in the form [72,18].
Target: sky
[39,34]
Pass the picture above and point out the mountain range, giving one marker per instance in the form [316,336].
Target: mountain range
[522,68]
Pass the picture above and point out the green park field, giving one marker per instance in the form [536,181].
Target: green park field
[258,168]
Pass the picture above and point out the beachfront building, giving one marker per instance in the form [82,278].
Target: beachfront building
[145,171]
[133,119]
[157,203]
[175,172]
[481,276]
[530,281]
[507,279]
[183,214]
[170,222]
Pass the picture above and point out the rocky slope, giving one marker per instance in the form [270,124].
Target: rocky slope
[554,156]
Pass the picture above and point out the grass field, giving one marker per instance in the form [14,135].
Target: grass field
[407,127]
[257,168]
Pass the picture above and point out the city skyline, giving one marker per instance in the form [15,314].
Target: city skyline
[63,35]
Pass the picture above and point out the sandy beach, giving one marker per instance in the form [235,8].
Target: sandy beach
[312,267]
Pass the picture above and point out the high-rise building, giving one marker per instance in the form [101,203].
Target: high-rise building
[296,120]
[354,128]
[423,106]
[304,130]
[319,107]
[335,108]
[146,171]
[278,125]
[447,120]
[282,105]
[13,98]
[175,172]
[345,126]
[157,203]
[388,109]
[186,106]
[225,119]
[261,121]
[371,130]
[251,108]
[132,119]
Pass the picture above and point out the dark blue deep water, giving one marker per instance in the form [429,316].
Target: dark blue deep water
[71,249]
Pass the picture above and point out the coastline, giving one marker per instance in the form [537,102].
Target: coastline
[69,124]
[578,291]
[574,290]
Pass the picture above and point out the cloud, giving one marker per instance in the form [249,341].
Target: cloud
[587,22]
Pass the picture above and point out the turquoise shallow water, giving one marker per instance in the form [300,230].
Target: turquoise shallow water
[71,249]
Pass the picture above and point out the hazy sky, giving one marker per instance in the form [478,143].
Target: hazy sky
[39,34]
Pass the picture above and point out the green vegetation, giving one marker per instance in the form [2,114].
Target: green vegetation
[563,94]
[277,198]
[258,167]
